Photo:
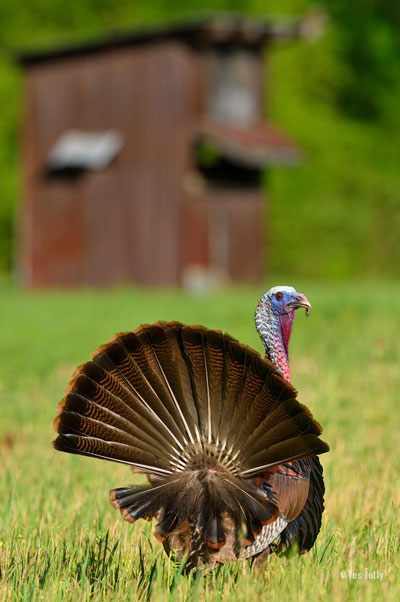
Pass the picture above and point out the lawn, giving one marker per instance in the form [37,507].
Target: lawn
[61,540]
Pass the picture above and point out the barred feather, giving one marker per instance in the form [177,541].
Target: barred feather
[202,415]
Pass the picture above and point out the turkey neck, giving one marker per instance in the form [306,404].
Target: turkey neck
[274,331]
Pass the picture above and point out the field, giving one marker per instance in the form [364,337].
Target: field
[61,540]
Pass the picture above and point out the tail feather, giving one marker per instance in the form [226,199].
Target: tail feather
[109,430]
[171,369]
[296,448]
[251,386]
[261,403]
[100,387]
[117,418]
[235,375]
[193,349]
[214,352]
[288,419]
[106,450]
[143,383]
[198,412]
[151,351]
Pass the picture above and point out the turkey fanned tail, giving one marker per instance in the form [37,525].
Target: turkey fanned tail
[205,418]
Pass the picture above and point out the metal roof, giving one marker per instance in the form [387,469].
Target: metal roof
[256,145]
[226,29]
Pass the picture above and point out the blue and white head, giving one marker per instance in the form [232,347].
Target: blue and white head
[274,318]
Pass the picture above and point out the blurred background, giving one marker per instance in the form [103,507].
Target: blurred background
[296,113]
[152,146]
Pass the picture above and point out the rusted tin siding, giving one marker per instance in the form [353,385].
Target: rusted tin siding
[166,92]
[121,224]
[223,232]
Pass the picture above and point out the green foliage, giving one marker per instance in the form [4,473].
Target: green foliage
[338,213]
[369,46]
[60,539]
[207,155]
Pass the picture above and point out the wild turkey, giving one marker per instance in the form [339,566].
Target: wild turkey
[229,452]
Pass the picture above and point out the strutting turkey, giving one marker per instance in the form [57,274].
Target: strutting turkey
[229,452]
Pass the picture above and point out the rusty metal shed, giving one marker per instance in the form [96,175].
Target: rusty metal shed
[143,155]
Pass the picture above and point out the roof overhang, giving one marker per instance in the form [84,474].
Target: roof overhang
[219,29]
[252,146]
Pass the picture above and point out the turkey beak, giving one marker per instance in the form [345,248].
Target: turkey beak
[300,300]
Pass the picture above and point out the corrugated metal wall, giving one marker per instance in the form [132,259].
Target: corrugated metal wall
[121,224]
[223,232]
[133,221]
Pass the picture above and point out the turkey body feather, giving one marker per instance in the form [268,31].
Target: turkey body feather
[209,421]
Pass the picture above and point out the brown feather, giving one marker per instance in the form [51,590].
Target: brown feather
[142,381]
[291,490]
[234,375]
[202,415]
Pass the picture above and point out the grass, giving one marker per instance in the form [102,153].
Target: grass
[61,540]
